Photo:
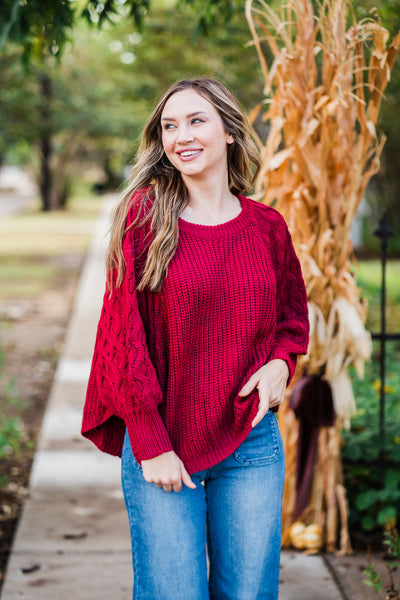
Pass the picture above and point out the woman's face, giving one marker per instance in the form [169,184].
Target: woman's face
[193,136]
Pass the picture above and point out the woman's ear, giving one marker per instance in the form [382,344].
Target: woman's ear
[229,138]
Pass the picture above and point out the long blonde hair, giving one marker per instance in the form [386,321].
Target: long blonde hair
[170,196]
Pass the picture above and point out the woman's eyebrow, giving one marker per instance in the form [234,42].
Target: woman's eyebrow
[189,116]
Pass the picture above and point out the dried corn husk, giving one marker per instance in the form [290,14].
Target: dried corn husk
[343,397]
[322,101]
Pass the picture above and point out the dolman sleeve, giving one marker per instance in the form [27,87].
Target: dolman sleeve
[292,326]
[123,389]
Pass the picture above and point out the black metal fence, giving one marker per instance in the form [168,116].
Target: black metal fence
[384,233]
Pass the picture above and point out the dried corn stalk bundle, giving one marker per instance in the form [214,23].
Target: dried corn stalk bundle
[322,100]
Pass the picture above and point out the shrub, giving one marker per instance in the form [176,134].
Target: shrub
[391,540]
[10,426]
[374,496]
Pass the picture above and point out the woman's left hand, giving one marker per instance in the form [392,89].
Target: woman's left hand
[271,380]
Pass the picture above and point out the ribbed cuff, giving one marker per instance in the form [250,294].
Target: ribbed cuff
[147,434]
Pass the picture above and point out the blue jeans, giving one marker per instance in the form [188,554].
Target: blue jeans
[234,512]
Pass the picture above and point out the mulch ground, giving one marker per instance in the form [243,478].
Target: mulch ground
[31,334]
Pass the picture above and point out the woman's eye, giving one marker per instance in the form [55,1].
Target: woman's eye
[197,120]
[168,126]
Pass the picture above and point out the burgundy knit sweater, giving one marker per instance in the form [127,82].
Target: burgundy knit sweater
[169,365]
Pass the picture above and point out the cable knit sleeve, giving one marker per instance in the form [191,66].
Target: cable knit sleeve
[123,386]
[292,328]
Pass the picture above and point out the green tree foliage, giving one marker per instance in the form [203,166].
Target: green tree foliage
[384,188]
[18,128]
[105,83]
[39,31]
[46,24]
[40,27]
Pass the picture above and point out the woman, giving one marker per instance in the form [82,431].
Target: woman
[204,314]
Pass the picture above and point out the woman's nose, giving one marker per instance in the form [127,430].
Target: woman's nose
[185,135]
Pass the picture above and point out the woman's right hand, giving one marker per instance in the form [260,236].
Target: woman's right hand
[167,471]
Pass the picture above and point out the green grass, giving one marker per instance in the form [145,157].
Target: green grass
[369,280]
[33,245]
[25,277]
[49,234]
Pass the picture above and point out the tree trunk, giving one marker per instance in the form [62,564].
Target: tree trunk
[113,181]
[45,142]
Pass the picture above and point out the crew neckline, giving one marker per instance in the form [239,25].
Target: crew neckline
[221,229]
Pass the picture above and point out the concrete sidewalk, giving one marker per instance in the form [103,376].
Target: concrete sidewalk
[72,540]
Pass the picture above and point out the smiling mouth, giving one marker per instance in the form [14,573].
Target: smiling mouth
[189,153]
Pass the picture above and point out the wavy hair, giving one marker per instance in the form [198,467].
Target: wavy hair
[153,170]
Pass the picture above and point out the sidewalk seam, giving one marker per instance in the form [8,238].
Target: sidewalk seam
[335,577]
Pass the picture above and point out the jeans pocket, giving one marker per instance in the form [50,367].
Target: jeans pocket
[137,465]
[128,457]
[263,444]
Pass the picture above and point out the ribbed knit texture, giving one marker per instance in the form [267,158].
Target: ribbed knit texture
[169,365]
